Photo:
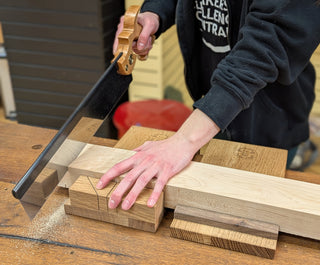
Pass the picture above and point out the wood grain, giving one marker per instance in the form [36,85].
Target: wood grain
[87,201]
[222,238]
[1,35]
[83,240]
[241,193]
[138,135]
[83,194]
[41,187]
[260,159]
[227,222]
[20,146]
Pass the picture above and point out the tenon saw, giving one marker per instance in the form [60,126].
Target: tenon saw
[99,103]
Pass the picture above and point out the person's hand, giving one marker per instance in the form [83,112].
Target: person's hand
[159,159]
[150,25]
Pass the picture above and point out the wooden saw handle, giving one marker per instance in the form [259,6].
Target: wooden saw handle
[130,33]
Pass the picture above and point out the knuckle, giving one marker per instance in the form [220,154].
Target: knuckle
[128,179]
[143,180]
[161,182]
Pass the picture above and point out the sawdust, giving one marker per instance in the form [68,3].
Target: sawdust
[46,227]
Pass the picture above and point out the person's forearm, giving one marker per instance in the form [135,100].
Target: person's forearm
[197,130]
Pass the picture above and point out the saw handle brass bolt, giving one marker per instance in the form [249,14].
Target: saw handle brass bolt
[129,34]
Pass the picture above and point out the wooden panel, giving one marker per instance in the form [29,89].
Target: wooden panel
[58,86]
[47,97]
[51,32]
[265,160]
[137,136]
[49,121]
[65,74]
[225,221]
[70,5]
[218,237]
[56,60]
[226,190]
[53,46]
[45,109]
[49,17]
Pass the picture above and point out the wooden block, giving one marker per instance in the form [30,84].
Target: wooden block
[226,221]
[223,238]
[86,201]
[41,187]
[67,180]
[265,160]
[140,210]
[83,194]
[1,35]
[109,218]
[67,152]
[254,158]
[237,192]
[138,135]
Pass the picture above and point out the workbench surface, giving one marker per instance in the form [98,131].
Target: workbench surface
[56,238]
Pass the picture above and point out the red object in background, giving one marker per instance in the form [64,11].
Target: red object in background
[159,114]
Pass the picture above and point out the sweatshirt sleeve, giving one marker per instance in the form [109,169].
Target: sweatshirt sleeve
[275,44]
[164,9]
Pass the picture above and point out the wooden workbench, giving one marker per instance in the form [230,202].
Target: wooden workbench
[55,238]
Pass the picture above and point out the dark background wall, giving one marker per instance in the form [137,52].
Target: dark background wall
[57,50]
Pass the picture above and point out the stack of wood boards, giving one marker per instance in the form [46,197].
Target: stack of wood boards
[256,196]
[87,201]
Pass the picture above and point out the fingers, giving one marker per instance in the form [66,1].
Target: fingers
[124,186]
[115,171]
[150,25]
[158,188]
[116,41]
[138,182]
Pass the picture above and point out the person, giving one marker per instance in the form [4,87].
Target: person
[247,68]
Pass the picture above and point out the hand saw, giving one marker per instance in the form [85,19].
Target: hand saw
[99,103]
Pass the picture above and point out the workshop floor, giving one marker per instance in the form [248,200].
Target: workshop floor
[315,137]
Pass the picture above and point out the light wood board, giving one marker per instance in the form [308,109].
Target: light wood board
[254,158]
[284,202]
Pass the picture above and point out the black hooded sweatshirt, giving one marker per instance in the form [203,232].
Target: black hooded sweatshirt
[262,92]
